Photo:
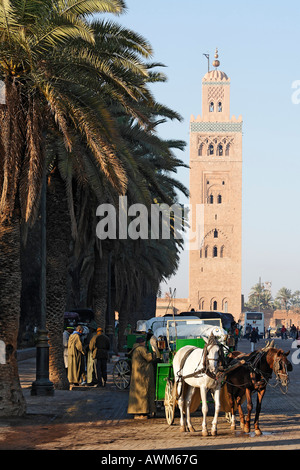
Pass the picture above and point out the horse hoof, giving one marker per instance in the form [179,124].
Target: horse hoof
[258,432]
[192,429]
[204,433]
[214,432]
[182,429]
[246,429]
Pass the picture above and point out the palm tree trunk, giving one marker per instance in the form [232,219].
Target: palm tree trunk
[100,288]
[58,241]
[123,322]
[12,402]
[82,258]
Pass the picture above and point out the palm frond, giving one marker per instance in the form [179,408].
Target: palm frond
[77,8]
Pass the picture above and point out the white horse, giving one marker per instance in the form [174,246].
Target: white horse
[196,368]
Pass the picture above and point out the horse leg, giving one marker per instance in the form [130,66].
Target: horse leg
[260,396]
[239,405]
[231,403]
[203,391]
[249,409]
[188,402]
[214,431]
[232,420]
[181,409]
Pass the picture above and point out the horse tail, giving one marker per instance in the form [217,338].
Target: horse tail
[177,390]
[178,385]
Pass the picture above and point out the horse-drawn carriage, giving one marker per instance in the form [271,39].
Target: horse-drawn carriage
[168,335]
[194,361]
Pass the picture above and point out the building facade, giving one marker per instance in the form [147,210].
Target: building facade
[215,264]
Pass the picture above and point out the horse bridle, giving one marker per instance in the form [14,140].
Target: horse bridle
[205,369]
[277,367]
[265,376]
[206,359]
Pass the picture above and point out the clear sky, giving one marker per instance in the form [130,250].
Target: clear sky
[259,46]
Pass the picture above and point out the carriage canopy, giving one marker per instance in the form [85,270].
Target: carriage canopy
[158,322]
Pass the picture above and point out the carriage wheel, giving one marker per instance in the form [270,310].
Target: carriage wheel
[121,374]
[169,403]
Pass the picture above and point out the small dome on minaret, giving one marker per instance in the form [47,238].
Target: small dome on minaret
[216,75]
[216,62]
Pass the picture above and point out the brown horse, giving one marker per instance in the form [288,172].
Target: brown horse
[254,376]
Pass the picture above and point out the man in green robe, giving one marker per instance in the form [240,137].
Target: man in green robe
[141,400]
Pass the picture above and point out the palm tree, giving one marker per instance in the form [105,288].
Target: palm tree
[41,44]
[137,266]
[260,297]
[296,299]
[82,172]
[140,265]
[284,296]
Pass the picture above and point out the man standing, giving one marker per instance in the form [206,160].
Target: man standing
[100,345]
[75,356]
[66,335]
[91,375]
[283,332]
[254,337]
[142,387]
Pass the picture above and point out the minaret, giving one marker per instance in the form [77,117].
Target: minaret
[216,185]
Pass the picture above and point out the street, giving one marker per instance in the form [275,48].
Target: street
[96,419]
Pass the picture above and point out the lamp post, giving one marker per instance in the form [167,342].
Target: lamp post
[42,384]
[109,320]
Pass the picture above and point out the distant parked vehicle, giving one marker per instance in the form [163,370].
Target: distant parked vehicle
[255,320]
[273,332]
[77,316]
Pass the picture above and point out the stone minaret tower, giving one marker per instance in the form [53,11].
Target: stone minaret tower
[216,185]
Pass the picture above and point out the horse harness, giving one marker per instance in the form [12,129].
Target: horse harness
[264,376]
[205,369]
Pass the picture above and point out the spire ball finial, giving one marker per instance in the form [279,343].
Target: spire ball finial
[216,63]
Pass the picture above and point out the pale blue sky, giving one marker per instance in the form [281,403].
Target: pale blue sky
[258,45]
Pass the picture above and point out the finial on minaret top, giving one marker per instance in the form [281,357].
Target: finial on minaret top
[216,62]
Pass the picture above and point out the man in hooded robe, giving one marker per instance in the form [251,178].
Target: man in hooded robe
[141,400]
[75,356]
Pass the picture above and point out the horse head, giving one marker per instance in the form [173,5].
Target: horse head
[280,365]
[213,355]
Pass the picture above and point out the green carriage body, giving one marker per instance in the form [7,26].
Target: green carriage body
[132,339]
[164,371]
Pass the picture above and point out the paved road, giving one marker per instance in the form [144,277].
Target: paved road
[96,419]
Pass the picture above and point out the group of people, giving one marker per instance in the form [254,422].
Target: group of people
[294,332]
[86,355]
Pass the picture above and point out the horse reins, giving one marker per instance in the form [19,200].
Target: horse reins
[265,376]
[206,359]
